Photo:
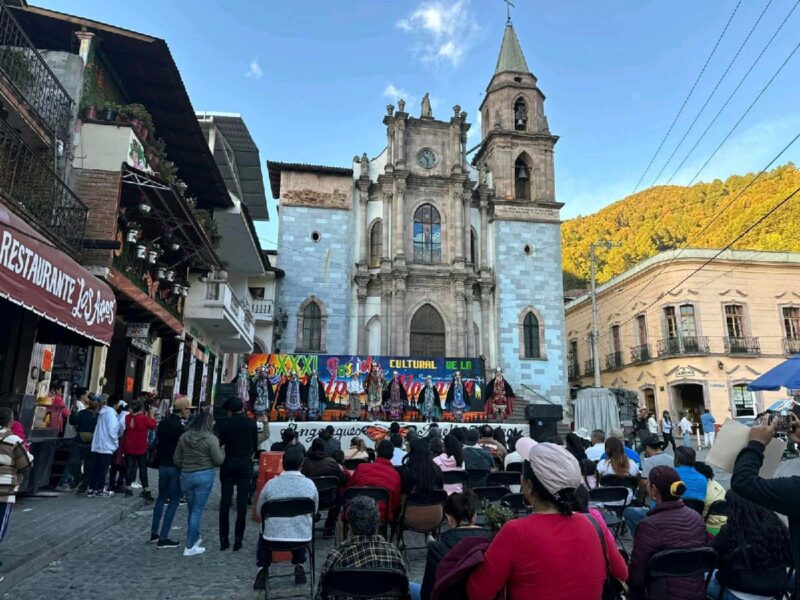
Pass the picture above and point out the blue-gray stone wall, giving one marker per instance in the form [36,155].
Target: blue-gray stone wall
[322,269]
[524,280]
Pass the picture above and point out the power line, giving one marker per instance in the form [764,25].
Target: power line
[689,95]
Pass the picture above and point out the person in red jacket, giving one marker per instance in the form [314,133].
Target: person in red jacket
[381,474]
[134,446]
[671,525]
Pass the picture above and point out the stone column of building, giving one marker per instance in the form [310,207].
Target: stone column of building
[459,296]
[470,333]
[363,190]
[484,210]
[467,237]
[386,307]
[398,242]
[399,310]
[486,308]
[400,137]
[361,292]
[455,235]
[455,141]
[386,251]
[389,120]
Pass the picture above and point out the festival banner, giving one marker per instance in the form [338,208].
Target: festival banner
[334,371]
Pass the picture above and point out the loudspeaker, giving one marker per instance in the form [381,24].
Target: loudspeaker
[543,420]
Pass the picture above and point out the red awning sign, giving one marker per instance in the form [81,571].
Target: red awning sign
[40,277]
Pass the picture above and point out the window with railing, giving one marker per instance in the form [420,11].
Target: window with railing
[791,329]
[641,330]
[734,320]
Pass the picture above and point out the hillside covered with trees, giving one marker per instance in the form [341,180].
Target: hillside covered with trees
[667,217]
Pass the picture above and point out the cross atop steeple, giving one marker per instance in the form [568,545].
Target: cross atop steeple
[509,6]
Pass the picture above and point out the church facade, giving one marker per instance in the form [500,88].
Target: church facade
[419,252]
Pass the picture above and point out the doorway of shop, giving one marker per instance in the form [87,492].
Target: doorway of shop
[689,398]
[649,396]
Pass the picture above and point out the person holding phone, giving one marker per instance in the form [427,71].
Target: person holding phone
[780,494]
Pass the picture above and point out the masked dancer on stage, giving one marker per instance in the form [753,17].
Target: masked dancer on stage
[315,398]
[374,387]
[457,398]
[354,391]
[395,398]
[289,397]
[429,406]
[499,397]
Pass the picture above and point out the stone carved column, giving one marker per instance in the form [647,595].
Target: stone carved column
[386,251]
[454,233]
[363,188]
[484,209]
[400,149]
[399,308]
[470,328]
[361,344]
[399,217]
[386,321]
[467,236]
[460,321]
[486,314]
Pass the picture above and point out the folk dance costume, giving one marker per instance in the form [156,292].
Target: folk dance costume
[290,398]
[374,388]
[499,397]
[457,398]
[429,407]
[243,386]
[395,398]
[354,391]
[263,389]
[315,398]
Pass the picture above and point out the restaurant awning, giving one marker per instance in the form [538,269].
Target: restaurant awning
[37,276]
[786,374]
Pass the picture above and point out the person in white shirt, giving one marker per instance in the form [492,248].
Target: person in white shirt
[399,453]
[652,424]
[598,447]
[617,463]
[104,442]
[686,430]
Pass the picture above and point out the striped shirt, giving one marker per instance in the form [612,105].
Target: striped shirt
[14,460]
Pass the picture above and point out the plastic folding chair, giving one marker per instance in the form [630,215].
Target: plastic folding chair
[365,583]
[612,501]
[477,477]
[516,467]
[504,478]
[688,562]
[284,509]
[455,478]
[517,503]
[422,513]
[377,494]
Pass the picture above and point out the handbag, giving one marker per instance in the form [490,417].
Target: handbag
[612,587]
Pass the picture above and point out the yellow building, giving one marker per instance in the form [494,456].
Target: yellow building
[684,344]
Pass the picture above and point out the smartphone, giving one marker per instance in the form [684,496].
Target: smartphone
[784,421]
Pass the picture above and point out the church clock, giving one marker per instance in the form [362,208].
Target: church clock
[426,158]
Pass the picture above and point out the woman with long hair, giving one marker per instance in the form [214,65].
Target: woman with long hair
[534,556]
[667,428]
[617,463]
[196,455]
[419,473]
[357,450]
[138,424]
[449,456]
[754,550]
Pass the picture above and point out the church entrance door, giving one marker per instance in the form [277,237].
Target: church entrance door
[427,332]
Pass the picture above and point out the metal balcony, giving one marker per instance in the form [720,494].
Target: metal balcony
[29,184]
[573,371]
[742,345]
[614,361]
[588,367]
[683,345]
[33,83]
[137,271]
[641,354]
[791,345]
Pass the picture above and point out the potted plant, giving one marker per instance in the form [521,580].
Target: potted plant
[141,251]
[110,112]
[132,233]
[138,116]
[161,273]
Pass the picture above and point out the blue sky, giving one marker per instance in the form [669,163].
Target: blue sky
[312,77]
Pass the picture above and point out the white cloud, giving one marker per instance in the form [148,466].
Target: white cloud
[254,71]
[394,93]
[443,30]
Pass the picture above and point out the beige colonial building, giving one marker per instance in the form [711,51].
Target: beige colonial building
[685,345]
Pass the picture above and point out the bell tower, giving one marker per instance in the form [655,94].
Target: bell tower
[517,147]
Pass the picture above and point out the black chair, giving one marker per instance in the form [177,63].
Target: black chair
[686,562]
[287,508]
[351,463]
[377,494]
[422,513]
[504,478]
[696,505]
[327,490]
[515,466]
[626,481]
[477,477]
[455,477]
[517,503]
[612,501]
[360,582]
[490,493]
[717,509]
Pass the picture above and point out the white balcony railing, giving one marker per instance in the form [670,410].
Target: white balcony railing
[219,292]
[263,310]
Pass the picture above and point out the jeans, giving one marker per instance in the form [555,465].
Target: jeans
[132,462]
[169,488]
[687,439]
[668,439]
[101,462]
[72,470]
[714,588]
[5,515]
[197,487]
[634,515]
[236,472]
[264,554]
[415,590]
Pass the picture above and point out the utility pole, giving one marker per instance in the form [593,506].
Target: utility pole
[595,324]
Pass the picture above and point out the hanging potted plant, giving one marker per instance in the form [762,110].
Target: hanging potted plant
[109,112]
[132,233]
[170,275]
[177,289]
[141,251]
[161,273]
[152,255]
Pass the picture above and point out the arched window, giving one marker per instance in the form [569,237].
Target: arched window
[473,247]
[375,244]
[520,115]
[311,319]
[522,180]
[427,235]
[531,333]
[427,332]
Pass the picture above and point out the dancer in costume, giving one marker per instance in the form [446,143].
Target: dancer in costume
[354,391]
[263,389]
[290,398]
[429,407]
[315,397]
[457,398]
[374,387]
[499,397]
[243,386]
[395,398]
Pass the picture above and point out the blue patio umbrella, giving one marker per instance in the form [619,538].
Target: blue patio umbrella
[786,374]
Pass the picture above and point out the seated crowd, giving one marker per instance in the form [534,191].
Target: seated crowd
[670,504]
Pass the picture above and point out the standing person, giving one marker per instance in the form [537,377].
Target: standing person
[105,442]
[780,494]
[709,428]
[196,455]
[138,424]
[83,422]
[430,407]
[14,460]
[652,423]
[666,430]
[354,391]
[116,478]
[238,436]
[169,431]
[686,430]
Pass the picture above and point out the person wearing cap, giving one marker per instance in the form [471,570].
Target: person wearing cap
[105,442]
[654,455]
[238,436]
[168,432]
[534,557]
[670,525]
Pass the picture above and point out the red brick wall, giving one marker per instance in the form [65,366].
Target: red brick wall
[100,191]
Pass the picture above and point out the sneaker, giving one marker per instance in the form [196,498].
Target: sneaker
[299,575]
[91,493]
[167,543]
[193,550]
[153,538]
[261,579]
[104,494]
